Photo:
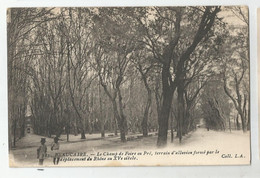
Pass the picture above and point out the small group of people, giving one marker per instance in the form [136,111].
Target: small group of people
[42,151]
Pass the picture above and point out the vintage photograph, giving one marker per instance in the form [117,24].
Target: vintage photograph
[128,86]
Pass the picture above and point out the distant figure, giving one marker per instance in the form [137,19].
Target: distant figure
[41,151]
[55,149]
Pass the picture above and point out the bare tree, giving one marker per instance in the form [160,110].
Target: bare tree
[21,22]
[168,55]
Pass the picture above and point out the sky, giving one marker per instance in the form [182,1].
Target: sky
[229,17]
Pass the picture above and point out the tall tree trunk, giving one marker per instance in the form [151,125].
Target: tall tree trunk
[67,118]
[229,122]
[148,102]
[243,119]
[163,119]
[23,123]
[90,129]
[82,133]
[172,134]
[167,95]
[180,105]
[14,132]
[102,123]
[80,119]
[237,122]
[157,99]
[119,121]
[186,121]
[122,118]
[115,125]
[146,113]
[102,129]
[67,132]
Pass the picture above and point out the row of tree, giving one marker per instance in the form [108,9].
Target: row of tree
[126,69]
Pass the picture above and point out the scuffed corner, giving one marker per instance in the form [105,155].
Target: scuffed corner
[12,163]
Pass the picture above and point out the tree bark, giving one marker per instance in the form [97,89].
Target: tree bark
[14,132]
[169,85]
[119,121]
[122,118]
[237,122]
[181,108]
[229,123]
[163,119]
[172,134]
[102,122]
[82,133]
[115,125]
[146,111]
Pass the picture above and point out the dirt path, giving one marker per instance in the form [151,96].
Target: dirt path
[25,153]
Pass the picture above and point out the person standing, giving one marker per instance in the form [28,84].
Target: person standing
[42,151]
[55,149]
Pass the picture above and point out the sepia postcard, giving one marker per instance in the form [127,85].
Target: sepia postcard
[128,86]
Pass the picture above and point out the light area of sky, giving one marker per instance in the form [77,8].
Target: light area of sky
[230,18]
[225,13]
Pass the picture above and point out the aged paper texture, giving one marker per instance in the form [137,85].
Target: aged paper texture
[128,86]
[258,74]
